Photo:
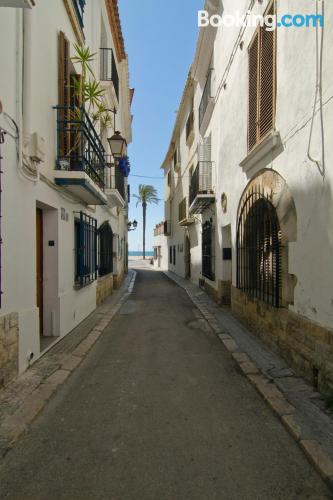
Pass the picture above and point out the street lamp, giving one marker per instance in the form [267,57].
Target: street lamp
[130,224]
[117,144]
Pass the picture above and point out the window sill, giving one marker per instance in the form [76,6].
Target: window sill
[268,145]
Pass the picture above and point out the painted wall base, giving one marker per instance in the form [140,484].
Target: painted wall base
[9,328]
[104,288]
[306,346]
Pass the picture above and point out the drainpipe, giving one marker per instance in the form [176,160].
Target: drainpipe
[27,49]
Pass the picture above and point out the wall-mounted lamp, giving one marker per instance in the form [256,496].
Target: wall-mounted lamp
[131,226]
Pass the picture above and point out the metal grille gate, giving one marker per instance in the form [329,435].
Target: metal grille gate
[259,249]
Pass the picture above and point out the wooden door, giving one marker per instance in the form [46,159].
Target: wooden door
[39,265]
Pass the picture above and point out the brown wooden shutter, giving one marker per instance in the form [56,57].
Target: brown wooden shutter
[64,90]
[253,92]
[267,78]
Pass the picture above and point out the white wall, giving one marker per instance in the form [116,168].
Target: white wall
[64,306]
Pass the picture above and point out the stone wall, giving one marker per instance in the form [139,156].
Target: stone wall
[9,328]
[118,279]
[104,288]
[306,346]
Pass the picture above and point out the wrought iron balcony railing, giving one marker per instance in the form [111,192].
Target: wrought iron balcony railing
[79,148]
[205,97]
[201,185]
[108,68]
[115,179]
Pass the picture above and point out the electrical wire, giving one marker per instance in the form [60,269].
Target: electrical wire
[319,94]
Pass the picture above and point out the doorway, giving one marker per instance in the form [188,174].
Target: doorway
[187,257]
[39,266]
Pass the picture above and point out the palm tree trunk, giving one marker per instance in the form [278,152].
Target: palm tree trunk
[144,208]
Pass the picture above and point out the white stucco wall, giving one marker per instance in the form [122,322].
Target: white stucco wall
[310,256]
[64,306]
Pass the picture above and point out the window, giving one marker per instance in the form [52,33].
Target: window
[208,242]
[170,254]
[105,249]
[259,250]
[176,158]
[174,255]
[85,249]
[79,10]
[206,95]
[108,68]
[189,125]
[155,253]
[262,83]
[169,178]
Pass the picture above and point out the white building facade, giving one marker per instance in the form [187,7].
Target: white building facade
[64,197]
[248,178]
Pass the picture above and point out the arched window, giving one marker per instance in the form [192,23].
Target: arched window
[259,250]
[105,249]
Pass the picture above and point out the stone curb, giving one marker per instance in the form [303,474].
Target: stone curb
[14,426]
[269,391]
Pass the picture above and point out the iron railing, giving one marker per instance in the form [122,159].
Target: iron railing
[78,146]
[201,180]
[79,10]
[205,97]
[208,258]
[108,68]
[85,249]
[162,229]
[259,249]
[114,178]
[182,210]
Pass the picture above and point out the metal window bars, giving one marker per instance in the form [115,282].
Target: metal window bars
[259,249]
[105,249]
[85,249]
[201,181]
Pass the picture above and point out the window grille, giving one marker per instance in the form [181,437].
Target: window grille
[85,249]
[208,258]
[259,249]
[105,249]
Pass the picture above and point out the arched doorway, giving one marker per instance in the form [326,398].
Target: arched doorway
[259,250]
[266,223]
[105,249]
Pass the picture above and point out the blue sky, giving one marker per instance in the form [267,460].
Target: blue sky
[160,38]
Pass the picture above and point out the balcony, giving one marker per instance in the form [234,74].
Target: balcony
[201,188]
[108,70]
[183,218]
[206,105]
[163,229]
[115,184]
[80,164]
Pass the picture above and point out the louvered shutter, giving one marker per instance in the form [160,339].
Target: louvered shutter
[253,92]
[64,90]
[267,78]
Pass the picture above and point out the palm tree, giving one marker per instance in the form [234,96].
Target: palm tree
[147,194]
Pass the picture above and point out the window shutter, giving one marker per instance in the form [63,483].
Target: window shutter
[267,78]
[205,149]
[64,90]
[253,92]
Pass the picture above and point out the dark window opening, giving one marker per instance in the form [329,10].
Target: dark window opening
[259,250]
[174,255]
[105,249]
[170,255]
[85,250]
[208,258]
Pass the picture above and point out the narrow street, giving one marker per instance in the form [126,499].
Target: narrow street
[158,410]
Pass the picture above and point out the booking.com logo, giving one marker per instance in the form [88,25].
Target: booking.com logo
[270,22]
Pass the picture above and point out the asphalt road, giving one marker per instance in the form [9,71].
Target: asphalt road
[158,410]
